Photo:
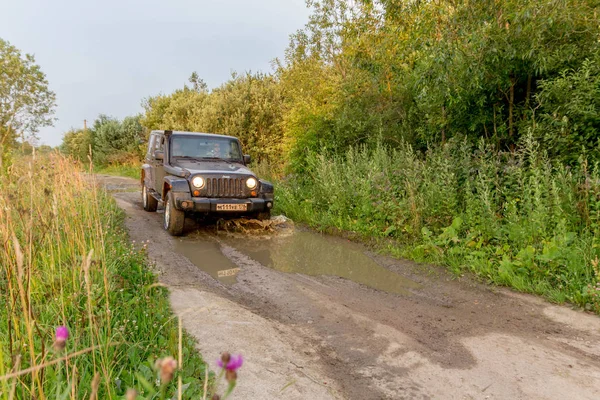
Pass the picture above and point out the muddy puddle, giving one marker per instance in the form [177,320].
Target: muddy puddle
[206,254]
[314,254]
[293,251]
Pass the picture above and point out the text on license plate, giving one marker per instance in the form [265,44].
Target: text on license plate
[232,207]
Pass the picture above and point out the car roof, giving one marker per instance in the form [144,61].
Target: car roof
[183,133]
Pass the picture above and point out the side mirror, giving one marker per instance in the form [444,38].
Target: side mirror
[159,155]
[247,159]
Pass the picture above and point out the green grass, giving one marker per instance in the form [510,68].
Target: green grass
[127,170]
[66,260]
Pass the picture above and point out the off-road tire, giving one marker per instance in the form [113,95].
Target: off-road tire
[263,216]
[174,219]
[149,202]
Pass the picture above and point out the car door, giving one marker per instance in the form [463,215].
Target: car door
[149,160]
[159,170]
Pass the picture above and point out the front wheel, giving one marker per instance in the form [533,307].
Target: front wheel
[174,218]
[150,203]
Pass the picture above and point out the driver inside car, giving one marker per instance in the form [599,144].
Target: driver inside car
[216,150]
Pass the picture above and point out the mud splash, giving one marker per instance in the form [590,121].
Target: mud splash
[314,254]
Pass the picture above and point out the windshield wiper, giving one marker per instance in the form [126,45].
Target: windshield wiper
[217,159]
[188,158]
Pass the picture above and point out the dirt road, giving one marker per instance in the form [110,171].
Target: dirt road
[319,317]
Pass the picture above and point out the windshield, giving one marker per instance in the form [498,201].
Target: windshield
[205,147]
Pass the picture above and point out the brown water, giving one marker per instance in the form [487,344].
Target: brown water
[315,254]
[206,254]
[301,252]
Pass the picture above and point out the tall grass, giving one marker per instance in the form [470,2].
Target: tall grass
[515,219]
[66,261]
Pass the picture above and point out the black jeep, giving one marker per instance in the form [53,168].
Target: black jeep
[204,174]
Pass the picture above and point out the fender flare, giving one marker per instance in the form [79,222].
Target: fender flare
[265,186]
[175,184]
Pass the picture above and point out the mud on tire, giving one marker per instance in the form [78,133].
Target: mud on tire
[150,203]
[174,219]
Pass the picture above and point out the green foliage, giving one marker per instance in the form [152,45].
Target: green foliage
[514,218]
[569,117]
[248,106]
[117,141]
[26,102]
[111,142]
[423,72]
[78,143]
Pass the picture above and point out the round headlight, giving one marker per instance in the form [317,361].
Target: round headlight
[251,183]
[198,182]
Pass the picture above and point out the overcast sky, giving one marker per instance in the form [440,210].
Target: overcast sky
[105,56]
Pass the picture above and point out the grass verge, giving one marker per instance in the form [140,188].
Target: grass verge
[66,261]
[127,170]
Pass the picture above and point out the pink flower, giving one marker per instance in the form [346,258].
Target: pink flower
[61,336]
[230,363]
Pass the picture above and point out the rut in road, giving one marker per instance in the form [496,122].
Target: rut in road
[343,322]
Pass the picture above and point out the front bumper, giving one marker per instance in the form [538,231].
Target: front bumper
[209,205]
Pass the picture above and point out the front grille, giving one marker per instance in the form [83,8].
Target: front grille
[225,187]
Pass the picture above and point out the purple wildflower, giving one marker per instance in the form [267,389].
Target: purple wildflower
[61,336]
[232,363]
[62,333]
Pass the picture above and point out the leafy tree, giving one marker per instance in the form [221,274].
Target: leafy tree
[110,140]
[26,102]
[248,106]
[117,141]
[569,116]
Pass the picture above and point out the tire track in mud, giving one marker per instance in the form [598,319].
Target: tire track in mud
[434,337]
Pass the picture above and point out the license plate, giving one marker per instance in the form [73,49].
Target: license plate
[232,207]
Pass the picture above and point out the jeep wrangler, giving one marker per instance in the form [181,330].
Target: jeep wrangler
[203,174]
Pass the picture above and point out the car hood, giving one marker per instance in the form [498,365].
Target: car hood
[214,167]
